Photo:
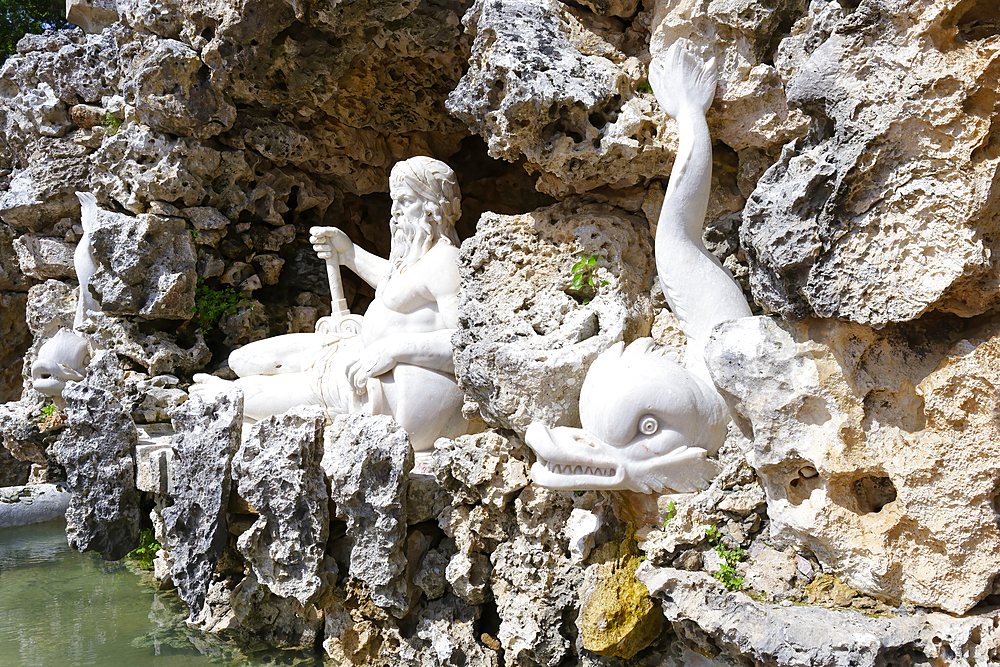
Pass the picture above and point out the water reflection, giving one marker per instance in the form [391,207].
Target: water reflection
[59,608]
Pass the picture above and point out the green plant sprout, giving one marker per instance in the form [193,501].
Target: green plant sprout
[211,304]
[729,558]
[583,275]
[671,513]
[144,554]
[111,122]
[48,411]
[644,87]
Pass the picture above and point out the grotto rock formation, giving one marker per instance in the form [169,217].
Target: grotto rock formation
[526,334]
[207,437]
[96,449]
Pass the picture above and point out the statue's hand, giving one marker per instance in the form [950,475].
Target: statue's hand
[376,359]
[680,79]
[330,242]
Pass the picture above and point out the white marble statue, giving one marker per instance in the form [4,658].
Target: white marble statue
[400,363]
[83,259]
[649,423]
[63,358]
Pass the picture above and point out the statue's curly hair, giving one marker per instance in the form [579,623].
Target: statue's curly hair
[437,185]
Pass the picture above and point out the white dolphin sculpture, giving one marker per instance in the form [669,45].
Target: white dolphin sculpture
[649,423]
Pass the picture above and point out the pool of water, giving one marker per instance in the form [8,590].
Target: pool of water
[60,608]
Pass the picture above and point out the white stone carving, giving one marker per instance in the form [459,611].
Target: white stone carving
[61,359]
[397,359]
[649,423]
[83,259]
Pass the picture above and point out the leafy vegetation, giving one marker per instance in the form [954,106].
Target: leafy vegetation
[210,304]
[18,17]
[728,557]
[671,513]
[144,554]
[48,411]
[583,276]
[113,123]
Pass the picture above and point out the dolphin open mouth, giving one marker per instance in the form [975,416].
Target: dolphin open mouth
[570,469]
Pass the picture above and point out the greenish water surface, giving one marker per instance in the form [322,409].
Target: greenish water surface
[60,608]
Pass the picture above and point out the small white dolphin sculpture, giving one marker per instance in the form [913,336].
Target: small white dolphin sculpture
[649,423]
[61,359]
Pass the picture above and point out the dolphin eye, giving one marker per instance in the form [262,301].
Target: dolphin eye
[648,425]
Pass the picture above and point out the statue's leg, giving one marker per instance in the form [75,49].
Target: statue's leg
[267,395]
[290,353]
[426,403]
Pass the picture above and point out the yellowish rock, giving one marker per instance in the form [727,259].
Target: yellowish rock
[618,618]
[879,452]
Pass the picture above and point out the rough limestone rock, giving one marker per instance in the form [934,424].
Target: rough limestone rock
[348,112]
[14,472]
[17,339]
[446,636]
[878,455]
[277,471]
[751,111]
[487,468]
[368,460]
[139,165]
[249,612]
[852,222]
[534,582]
[11,276]
[43,193]
[157,351]
[443,634]
[96,450]
[739,628]
[562,88]
[207,436]
[172,92]
[617,617]
[525,336]
[43,257]
[145,266]
[92,16]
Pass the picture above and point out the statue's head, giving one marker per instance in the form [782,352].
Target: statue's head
[61,359]
[648,426]
[426,204]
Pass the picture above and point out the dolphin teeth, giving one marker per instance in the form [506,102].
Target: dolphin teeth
[588,471]
[577,470]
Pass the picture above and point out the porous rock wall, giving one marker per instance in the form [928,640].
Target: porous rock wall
[855,193]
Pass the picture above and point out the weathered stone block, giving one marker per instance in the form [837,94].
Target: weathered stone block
[368,461]
[526,336]
[207,436]
[96,450]
[277,471]
[877,455]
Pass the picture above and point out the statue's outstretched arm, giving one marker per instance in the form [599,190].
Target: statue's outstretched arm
[700,291]
[333,245]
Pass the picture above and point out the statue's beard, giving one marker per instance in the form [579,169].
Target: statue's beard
[411,239]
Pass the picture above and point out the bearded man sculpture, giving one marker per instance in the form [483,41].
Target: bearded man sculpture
[400,363]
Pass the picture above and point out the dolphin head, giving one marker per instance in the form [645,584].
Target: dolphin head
[648,426]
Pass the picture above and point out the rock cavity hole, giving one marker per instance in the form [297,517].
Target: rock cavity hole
[872,493]
[803,484]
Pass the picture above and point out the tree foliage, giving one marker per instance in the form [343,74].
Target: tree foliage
[18,17]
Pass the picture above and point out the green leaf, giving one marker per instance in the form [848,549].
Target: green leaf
[592,260]
[578,266]
[577,281]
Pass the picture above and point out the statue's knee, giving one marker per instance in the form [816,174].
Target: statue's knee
[243,362]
